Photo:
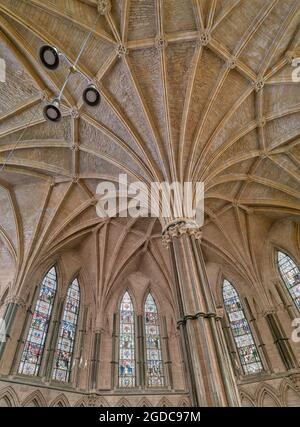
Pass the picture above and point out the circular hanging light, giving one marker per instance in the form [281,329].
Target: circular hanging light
[52,112]
[91,96]
[49,56]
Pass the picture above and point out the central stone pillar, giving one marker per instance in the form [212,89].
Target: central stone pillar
[209,373]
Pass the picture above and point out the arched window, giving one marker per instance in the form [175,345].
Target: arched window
[34,345]
[67,332]
[154,362]
[247,350]
[290,274]
[127,343]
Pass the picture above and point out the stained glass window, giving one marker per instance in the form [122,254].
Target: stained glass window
[66,338]
[127,343]
[247,350]
[154,363]
[34,345]
[290,274]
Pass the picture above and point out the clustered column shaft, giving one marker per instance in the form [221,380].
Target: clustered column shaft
[209,373]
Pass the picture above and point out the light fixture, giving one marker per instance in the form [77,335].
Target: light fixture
[91,95]
[49,56]
[52,112]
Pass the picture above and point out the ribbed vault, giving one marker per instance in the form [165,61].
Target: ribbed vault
[192,90]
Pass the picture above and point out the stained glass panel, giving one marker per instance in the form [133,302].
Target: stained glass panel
[34,345]
[66,338]
[242,334]
[154,362]
[127,343]
[290,274]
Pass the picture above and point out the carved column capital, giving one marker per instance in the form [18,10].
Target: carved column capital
[220,312]
[180,228]
[269,311]
[198,319]
[15,299]
[98,330]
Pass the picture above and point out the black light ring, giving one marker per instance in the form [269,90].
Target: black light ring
[92,88]
[55,105]
[54,51]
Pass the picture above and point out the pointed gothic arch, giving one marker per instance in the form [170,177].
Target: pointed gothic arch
[5,402]
[35,399]
[9,396]
[268,400]
[81,403]
[123,403]
[61,401]
[164,403]
[102,403]
[246,400]
[144,403]
[290,396]
[266,396]
[183,403]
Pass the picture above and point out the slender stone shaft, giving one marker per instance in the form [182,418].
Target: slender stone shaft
[209,373]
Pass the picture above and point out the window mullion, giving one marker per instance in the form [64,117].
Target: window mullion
[140,352]
[53,333]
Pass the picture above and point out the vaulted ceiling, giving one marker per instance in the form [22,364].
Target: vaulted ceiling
[192,90]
